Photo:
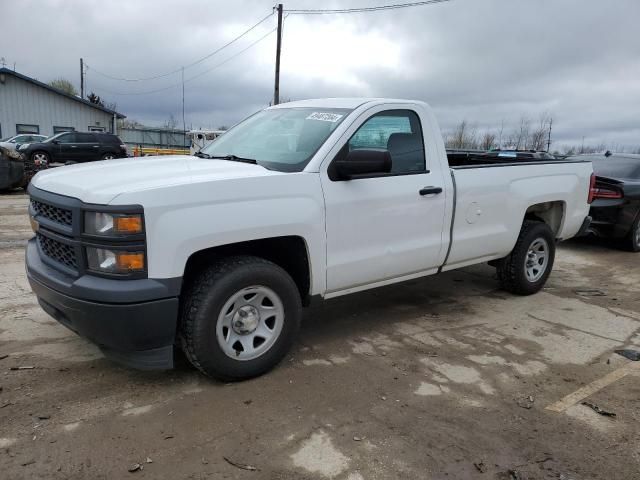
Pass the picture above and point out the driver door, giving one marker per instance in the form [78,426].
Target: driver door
[384,227]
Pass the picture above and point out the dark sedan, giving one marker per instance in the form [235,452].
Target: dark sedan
[616,197]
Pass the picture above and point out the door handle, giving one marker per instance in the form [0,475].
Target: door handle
[96,146]
[74,146]
[430,190]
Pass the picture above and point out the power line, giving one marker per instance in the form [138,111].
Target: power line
[198,75]
[206,57]
[362,9]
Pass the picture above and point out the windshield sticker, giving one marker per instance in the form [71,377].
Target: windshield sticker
[324,117]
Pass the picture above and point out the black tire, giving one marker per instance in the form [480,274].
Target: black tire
[204,300]
[45,156]
[512,270]
[108,156]
[633,240]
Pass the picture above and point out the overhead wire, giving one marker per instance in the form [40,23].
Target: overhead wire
[252,44]
[361,9]
[178,70]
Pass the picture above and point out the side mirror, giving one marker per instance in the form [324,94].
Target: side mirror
[56,142]
[363,163]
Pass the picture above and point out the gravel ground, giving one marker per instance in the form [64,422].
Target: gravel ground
[445,377]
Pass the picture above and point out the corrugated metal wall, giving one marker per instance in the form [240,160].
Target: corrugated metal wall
[25,103]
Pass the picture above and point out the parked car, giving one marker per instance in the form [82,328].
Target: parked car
[616,200]
[75,147]
[12,143]
[302,201]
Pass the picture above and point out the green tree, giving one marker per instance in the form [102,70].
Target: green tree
[65,85]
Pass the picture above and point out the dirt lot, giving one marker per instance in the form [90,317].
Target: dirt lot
[421,380]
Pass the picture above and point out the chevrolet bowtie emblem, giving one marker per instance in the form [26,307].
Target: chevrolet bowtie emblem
[35,226]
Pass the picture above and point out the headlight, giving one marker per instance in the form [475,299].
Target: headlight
[98,223]
[23,146]
[114,261]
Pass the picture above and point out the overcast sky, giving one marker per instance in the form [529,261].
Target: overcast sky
[480,60]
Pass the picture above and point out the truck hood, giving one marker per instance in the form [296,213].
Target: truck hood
[101,182]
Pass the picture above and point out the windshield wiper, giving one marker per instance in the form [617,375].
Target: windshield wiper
[201,155]
[234,158]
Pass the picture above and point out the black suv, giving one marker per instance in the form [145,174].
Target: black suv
[74,147]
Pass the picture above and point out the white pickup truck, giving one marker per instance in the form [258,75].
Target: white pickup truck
[217,253]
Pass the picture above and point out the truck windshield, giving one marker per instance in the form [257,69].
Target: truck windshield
[282,139]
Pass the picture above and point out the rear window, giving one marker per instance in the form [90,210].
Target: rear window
[617,167]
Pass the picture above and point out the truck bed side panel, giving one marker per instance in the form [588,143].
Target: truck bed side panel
[491,203]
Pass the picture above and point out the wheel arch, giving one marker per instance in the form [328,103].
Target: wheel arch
[290,252]
[552,213]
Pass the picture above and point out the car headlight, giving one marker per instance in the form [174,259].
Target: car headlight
[24,146]
[99,223]
[114,261]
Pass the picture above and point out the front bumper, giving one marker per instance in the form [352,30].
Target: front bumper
[132,321]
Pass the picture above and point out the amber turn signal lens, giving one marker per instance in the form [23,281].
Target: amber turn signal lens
[128,261]
[127,224]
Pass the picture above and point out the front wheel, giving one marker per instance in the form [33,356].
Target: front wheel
[40,159]
[108,156]
[239,318]
[526,269]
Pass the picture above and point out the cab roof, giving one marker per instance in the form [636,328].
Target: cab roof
[350,103]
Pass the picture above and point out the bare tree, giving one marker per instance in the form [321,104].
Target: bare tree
[519,136]
[500,133]
[463,136]
[488,141]
[538,136]
[65,85]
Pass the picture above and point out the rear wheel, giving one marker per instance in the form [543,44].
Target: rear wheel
[108,156]
[526,269]
[239,318]
[633,241]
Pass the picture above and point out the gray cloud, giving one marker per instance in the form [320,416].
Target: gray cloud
[481,60]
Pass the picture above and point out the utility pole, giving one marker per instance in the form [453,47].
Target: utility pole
[81,79]
[276,88]
[184,125]
[549,138]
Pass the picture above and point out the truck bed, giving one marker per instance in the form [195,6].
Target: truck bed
[477,159]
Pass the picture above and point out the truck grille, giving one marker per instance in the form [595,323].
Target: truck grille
[55,214]
[58,251]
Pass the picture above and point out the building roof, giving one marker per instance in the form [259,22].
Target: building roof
[7,71]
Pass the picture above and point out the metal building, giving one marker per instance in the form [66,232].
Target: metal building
[30,106]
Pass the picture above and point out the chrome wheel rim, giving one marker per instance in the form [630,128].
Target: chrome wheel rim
[636,235]
[537,259]
[40,157]
[250,322]
[108,157]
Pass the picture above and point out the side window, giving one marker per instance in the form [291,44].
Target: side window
[399,132]
[86,138]
[68,138]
